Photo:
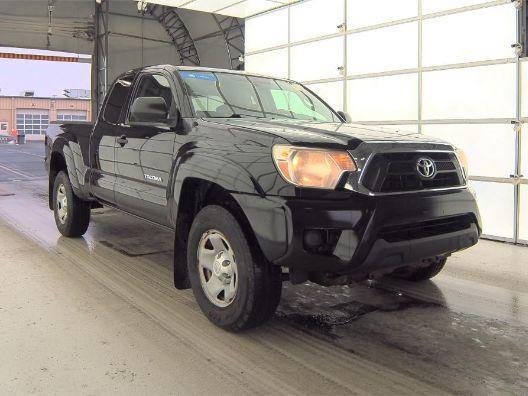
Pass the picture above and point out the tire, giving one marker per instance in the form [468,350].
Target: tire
[257,284]
[74,222]
[422,273]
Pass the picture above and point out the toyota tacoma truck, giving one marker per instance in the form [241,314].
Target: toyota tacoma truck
[261,181]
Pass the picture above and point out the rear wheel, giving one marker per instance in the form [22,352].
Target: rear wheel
[422,273]
[235,287]
[72,214]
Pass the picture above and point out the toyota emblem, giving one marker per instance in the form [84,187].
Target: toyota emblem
[426,167]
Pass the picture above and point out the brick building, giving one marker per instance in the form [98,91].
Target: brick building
[31,115]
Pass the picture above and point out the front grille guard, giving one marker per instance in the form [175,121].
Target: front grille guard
[365,152]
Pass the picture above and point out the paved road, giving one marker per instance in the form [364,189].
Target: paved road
[99,314]
[22,162]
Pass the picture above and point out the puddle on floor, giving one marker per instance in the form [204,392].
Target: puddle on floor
[5,193]
[419,336]
[325,309]
[126,250]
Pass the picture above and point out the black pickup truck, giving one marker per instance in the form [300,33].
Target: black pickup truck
[261,181]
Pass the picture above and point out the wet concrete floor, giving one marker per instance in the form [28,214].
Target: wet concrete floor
[464,332]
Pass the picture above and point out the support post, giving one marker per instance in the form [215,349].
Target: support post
[100,56]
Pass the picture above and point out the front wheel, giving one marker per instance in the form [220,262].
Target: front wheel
[72,214]
[235,288]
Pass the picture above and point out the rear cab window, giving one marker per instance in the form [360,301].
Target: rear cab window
[117,99]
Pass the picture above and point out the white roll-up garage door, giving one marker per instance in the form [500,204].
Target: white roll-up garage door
[445,68]
[32,121]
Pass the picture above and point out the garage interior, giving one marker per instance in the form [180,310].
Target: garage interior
[99,314]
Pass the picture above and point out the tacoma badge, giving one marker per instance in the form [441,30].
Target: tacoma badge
[153,178]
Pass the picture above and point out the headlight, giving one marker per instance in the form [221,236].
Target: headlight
[462,158]
[310,167]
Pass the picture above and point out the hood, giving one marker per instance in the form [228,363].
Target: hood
[327,134]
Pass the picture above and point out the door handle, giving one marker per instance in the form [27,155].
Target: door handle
[122,140]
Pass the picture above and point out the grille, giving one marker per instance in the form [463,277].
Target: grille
[397,172]
[424,229]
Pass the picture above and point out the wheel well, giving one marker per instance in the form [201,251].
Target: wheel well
[57,164]
[195,195]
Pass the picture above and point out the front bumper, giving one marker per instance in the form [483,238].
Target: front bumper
[368,233]
[385,254]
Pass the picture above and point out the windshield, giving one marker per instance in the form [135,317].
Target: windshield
[227,95]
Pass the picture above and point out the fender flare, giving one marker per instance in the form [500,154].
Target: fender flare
[200,164]
[193,163]
[71,152]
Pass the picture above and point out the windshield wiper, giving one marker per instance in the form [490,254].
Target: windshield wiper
[236,115]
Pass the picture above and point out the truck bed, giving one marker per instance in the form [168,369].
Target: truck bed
[79,128]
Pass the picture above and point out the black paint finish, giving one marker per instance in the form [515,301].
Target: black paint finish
[141,169]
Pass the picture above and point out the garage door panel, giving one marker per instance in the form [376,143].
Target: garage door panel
[400,49]
[489,147]
[331,92]
[431,6]
[495,202]
[449,39]
[32,121]
[362,13]
[383,98]
[318,60]
[475,92]
[523,231]
[272,63]
[524,87]
[524,151]
[267,30]
[316,18]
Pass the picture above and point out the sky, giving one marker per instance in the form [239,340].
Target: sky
[43,77]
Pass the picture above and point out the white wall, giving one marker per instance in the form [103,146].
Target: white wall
[445,68]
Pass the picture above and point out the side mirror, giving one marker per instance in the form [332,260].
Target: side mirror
[344,116]
[149,110]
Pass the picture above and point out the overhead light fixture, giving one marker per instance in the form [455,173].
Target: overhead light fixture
[142,5]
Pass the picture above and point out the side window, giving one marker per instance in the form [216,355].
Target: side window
[117,98]
[155,85]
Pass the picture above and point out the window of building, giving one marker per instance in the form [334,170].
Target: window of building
[72,115]
[32,122]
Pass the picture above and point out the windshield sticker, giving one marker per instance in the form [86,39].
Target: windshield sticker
[199,76]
